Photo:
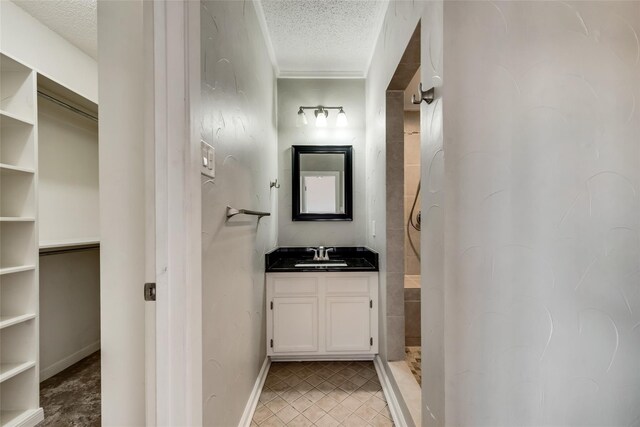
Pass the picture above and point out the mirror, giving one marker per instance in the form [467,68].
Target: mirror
[322,183]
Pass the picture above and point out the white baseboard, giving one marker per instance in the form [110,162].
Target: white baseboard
[247,415]
[389,394]
[63,364]
[29,418]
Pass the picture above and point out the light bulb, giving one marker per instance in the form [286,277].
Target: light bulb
[341,120]
[301,119]
[321,118]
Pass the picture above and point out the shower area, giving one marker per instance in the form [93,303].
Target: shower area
[412,220]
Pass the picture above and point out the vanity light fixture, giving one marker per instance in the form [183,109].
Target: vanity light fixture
[321,113]
[302,118]
[341,120]
[321,117]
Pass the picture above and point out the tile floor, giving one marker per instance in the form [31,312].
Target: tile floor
[72,397]
[322,394]
[414,360]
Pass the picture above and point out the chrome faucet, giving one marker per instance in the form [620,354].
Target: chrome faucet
[321,253]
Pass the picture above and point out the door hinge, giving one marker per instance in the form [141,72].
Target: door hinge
[149,291]
[271,343]
[370,303]
[271,305]
[371,341]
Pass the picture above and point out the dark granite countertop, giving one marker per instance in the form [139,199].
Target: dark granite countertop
[356,258]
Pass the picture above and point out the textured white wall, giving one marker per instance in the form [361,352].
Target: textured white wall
[122,211]
[349,93]
[239,120]
[68,193]
[542,143]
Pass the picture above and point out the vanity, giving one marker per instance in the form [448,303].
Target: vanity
[322,309]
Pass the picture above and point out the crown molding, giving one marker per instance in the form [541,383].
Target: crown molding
[262,21]
[321,75]
[378,25]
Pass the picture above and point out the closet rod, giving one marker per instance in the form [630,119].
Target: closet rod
[67,106]
[45,252]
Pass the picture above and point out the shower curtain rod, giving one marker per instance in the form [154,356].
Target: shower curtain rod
[67,106]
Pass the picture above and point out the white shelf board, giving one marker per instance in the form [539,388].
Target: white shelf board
[62,244]
[16,269]
[10,370]
[15,118]
[6,321]
[17,219]
[11,169]
[26,418]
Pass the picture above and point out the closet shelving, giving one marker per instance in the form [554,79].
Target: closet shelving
[19,377]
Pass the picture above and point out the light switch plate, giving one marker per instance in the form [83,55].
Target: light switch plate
[207,160]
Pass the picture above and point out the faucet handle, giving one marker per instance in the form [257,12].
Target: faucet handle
[326,253]
[315,253]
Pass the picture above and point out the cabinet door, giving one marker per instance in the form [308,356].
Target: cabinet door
[348,324]
[295,324]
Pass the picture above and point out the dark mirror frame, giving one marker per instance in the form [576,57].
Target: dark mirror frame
[347,150]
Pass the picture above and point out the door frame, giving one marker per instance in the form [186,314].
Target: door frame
[175,96]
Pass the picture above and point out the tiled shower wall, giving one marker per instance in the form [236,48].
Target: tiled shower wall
[239,120]
[411,180]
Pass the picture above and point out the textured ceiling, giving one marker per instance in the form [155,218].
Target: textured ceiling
[75,20]
[323,37]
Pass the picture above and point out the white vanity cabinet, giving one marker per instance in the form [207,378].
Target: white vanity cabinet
[322,316]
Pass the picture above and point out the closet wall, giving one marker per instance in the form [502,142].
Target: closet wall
[68,230]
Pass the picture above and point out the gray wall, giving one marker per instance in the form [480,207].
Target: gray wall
[239,120]
[349,93]
[69,309]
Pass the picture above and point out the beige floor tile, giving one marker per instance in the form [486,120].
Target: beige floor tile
[303,387]
[381,421]
[287,413]
[314,413]
[354,421]
[340,412]
[339,394]
[267,395]
[305,394]
[261,414]
[290,395]
[352,403]
[276,404]
[326,387]
[272,422]
[376,403]
[300,421]
[361,395]
[371,386]
[301,404]
[365,412]
[327,403]
[386,412]
[314,395]
[293,380]
[279,387]
[327,421]
[314,380]
[336,379]
[348,372]
[358,380]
